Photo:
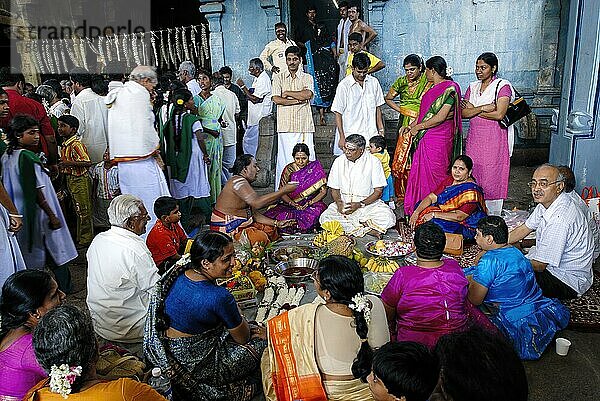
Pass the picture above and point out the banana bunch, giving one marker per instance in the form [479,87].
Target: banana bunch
[331,230]
[382,265]
[359,257]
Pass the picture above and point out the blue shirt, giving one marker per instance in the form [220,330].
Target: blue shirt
[194,307]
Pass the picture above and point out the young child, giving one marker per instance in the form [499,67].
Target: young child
[28,184]
[74,164]
[355,46]
[105,187]
[377,149]
[403,371]
[167,240]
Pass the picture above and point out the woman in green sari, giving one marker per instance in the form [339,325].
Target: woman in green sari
[210,111]
[410,88]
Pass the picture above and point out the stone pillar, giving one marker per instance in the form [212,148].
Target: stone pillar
[273,11]
[213,10]
[375,17]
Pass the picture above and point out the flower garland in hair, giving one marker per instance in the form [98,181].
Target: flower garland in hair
[449,71]
[360,303]
[184,260]
[62,377]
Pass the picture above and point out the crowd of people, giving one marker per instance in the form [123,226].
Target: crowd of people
[133,167]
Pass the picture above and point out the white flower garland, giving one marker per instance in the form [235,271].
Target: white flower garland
[186,45]
[126,52]
[145,60]
[193,37]
[205,43]
[163,48]
[171,47]
[62,377]
[62,45]
[70,51]
[154,50]
[101,48]
[56,57]
[360,303]
[83,54]
[178,49]
[35,53]
[134,47]
[116,42]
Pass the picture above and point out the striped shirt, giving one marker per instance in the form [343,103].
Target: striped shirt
[108,181]
[295,118]
[72,150]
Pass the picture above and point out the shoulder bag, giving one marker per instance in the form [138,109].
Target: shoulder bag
[517,109]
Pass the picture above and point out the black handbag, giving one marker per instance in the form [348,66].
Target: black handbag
[517,109]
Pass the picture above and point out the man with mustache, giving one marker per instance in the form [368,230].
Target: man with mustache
[563,255]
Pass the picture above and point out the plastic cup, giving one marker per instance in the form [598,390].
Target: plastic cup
[562,346]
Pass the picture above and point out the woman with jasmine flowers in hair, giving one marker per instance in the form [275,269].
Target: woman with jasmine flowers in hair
[305,361]
[65,346]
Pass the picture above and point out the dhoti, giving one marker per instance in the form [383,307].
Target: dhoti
[144,179]
[250,141]
[377,216]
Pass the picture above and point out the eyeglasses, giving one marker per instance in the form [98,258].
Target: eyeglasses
[543,183]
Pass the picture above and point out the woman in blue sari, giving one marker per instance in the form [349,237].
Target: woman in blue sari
[456,205]
[504,282]
[321,64]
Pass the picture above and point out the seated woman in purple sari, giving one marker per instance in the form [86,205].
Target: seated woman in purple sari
[429,299]
[456,205]
[305,204]
[436,134]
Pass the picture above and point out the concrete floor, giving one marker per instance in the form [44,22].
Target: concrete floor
[575,377]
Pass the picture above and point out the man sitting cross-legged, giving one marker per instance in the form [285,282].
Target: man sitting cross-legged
[562,257]
[356,181]
[237,204]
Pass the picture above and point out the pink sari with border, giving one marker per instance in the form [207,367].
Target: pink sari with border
[432,156]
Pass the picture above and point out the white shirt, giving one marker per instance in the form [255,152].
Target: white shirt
[121,274]
[356,180]
[232,107]
[131,129]
[262,89]
[90,110]
[275,49]
[343,29]
[193,86]
[358,104]
[592,223]
[564,242]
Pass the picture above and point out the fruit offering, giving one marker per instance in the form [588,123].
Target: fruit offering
[342,245]
[376,282]
[331,230]
[382,265]
[389,248]
[359,257]
[258,280]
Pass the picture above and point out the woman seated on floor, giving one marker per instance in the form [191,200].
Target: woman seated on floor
[456,205]
[66,347]
[324,350]
[504,282]
[195,328]
[429,299]
[305,204]
[26,296]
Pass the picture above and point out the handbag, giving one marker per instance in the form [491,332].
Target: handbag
[454,244]
[517,109]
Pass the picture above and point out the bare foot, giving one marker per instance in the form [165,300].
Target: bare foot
[322,121]
[375,233]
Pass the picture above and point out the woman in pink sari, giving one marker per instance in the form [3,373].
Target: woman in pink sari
[305,204]
[436,134]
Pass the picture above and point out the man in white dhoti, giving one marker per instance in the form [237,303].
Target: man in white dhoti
[90,110]
[292,91]
[341,44]
[259,103]
[134,141]
[357,104]
[356,181]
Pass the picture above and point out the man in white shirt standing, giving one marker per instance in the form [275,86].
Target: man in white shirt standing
[562,256]
[341,44]
[292,91]
[357,104]
[187,75]
[121,274]
[228,133]
[275,50]
[90,110]
[356,181]
[259,103]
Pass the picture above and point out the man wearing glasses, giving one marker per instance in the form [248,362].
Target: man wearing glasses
[563,255]
[356,181]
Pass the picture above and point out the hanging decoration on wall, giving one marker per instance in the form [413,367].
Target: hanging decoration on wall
[166,49]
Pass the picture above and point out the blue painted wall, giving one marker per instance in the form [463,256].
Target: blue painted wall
[245,34]
[459,31]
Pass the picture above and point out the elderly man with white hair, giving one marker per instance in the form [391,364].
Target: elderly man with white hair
[121,274]
[133,140]
[356,181]
[187,75]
